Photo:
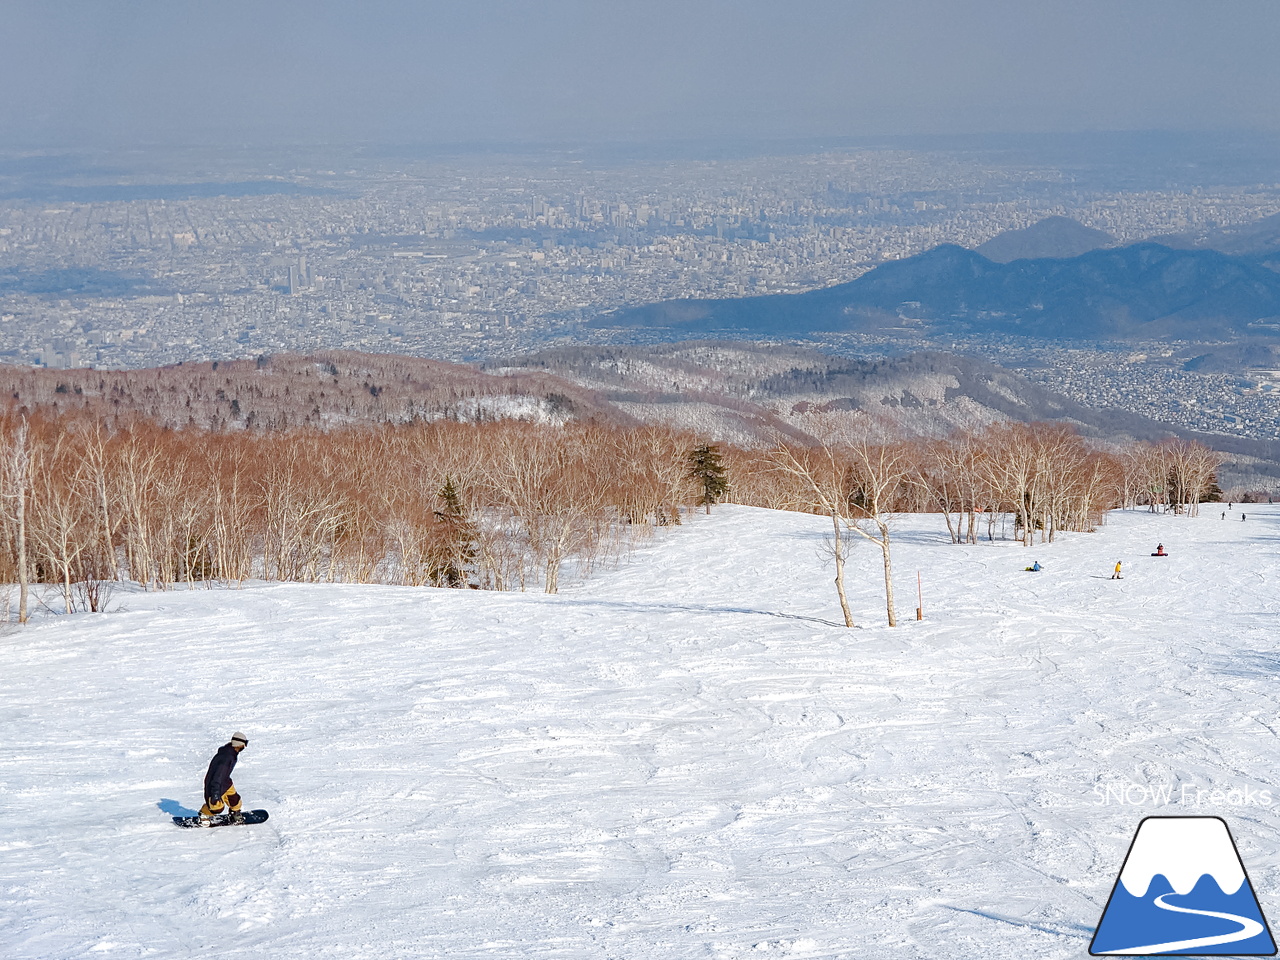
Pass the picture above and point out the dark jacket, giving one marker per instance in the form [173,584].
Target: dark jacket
[218,778]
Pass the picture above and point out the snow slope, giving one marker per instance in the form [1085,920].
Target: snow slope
[683,757]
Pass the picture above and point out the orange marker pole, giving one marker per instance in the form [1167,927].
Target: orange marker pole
[919,598]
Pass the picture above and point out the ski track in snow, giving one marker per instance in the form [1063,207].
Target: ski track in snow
[685,756]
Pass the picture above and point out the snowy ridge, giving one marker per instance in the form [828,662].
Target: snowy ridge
[1183,849]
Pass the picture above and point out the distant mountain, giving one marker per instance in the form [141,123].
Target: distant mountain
[1260,237]
[1144,291]
[758,387]
[749,393]
[1052,237]
[1232,358]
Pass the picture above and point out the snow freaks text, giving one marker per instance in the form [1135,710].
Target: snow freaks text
[1185,794]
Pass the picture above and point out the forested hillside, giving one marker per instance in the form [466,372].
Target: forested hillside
[289,390]
[344,467]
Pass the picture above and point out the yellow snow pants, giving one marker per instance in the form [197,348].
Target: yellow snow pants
[214,806]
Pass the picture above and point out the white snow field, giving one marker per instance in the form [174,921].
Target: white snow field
[685,756]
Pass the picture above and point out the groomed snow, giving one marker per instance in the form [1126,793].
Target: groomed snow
[682,757]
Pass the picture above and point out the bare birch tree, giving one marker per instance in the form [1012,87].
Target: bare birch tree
[825,476]
[17,487]
[879,473]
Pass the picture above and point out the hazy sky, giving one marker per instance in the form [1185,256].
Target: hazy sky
[122,71]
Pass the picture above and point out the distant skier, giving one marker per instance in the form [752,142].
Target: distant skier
[1242,516]
[1116,575]
[219,791]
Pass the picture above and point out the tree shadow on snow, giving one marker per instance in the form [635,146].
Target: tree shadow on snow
[897,537]
[694,608]
[1250,664]
[175,808]
[1067,929]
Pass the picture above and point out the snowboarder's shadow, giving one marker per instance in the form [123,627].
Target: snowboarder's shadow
[175,809]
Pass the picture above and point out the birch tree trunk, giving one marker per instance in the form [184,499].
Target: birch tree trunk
[18,484]
[839,555]
[23,476]
[888,580]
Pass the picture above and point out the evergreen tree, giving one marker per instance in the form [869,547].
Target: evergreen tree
[456,553]
[1214,493]
[709,473]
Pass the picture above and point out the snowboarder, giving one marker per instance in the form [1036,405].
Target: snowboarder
[1159,551]
[1116,575]
[218,788]
[1242,516]
[1034,568]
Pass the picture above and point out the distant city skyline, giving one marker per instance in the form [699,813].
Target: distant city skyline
[494,255]
[149,72]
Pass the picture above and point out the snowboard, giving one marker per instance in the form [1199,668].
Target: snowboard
[223,819]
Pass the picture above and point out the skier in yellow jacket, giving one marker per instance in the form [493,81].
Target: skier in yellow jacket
[1116,575]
